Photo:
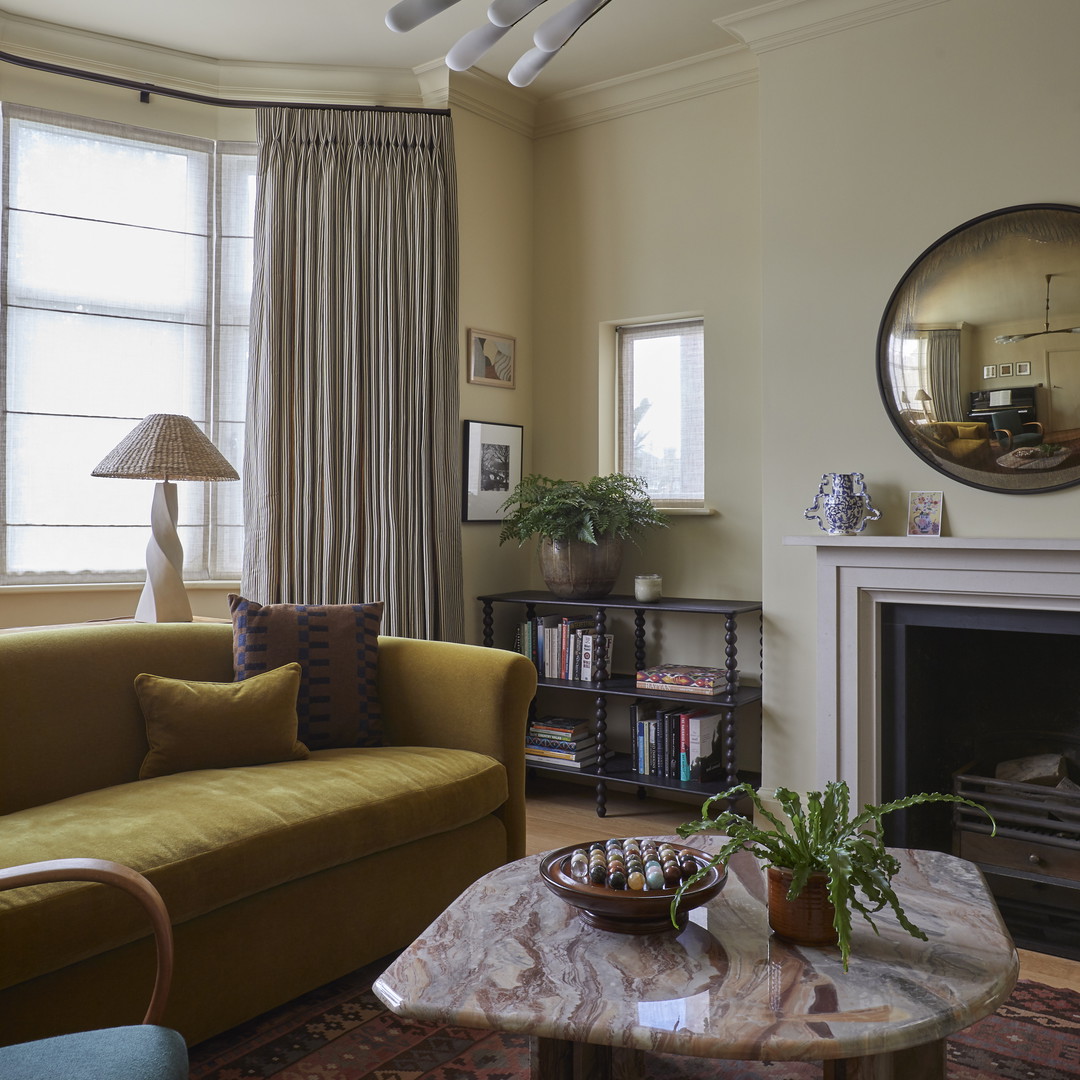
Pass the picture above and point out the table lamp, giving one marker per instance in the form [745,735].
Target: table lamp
[165,447]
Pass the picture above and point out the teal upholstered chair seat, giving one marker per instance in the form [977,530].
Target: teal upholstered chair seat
[144,1051]
[1009,430]
[138,1052]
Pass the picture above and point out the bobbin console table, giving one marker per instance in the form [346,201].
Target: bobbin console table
[619,767]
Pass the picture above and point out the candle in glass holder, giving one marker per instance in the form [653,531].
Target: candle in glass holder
[647,587]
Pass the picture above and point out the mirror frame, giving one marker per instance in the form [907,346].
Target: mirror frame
[959,247]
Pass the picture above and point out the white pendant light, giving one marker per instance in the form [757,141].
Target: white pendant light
[408,14]
[473,45]
[552,35]
[549,38]
[529,66]
[509,12]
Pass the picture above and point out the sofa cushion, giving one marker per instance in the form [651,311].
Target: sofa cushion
[208,725]
[211,837]
[336,646]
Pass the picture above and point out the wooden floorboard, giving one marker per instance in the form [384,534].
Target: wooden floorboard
[559,813]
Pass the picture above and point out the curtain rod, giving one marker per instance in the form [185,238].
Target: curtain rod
[146,89]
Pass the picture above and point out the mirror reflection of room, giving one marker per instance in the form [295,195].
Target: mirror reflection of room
[979,354]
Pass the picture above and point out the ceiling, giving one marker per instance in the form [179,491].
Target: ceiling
[626,37]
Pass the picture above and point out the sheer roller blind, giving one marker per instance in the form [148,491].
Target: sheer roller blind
[127,279]
[661,409]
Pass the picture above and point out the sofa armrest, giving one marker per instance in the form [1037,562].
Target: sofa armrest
[465,697]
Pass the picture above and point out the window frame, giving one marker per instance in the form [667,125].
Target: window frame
[626,334]
[232,162]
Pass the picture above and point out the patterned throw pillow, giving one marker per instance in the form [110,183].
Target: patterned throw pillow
[336,646]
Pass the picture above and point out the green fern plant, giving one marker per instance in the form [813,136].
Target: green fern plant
[821,835]
[563,510]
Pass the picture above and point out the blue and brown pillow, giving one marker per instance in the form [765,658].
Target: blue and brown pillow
[336,646]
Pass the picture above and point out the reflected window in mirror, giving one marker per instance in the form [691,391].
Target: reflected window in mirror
[985,321]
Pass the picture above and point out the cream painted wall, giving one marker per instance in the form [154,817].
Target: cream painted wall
[495,188]
[876,141]
[651,215]
[648,216]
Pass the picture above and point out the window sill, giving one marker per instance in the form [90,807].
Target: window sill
[688,511]
[111,586]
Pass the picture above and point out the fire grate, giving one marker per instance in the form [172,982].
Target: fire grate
[1022,811]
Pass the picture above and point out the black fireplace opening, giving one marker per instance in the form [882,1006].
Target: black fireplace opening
[963,690]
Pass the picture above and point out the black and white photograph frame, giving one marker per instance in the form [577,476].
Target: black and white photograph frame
[1005,370]
[1023,368]
[491,359]
[990,371]
[491,458]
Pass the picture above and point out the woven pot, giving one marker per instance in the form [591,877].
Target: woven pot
[575,570]
[806,920]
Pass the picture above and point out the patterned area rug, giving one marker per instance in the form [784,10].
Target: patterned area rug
[342,1032]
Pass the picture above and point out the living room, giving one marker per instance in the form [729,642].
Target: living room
[779,186]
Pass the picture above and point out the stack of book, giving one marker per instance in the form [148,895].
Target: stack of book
[561,646]
[688,679]
[674,744]
[551,740]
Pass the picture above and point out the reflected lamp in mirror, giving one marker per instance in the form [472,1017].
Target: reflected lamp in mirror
[979,294]
[165,447]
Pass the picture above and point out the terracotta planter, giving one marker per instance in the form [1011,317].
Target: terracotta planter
[575,570]
[806,920]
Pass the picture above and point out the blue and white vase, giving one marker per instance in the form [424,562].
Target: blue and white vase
[845,510]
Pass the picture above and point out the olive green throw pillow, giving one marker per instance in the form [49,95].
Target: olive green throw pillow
[208,725]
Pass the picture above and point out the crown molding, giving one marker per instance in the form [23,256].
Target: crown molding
[656,88]
[775,24]
[494,99]
[174,69]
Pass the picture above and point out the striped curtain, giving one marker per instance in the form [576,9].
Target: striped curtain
[352,471]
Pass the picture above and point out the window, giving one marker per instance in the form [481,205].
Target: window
[127,278]
[661,409]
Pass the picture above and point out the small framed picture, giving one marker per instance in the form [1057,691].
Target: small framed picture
[491,359]
[1023,368]
[1005,370]
[990,371]
[492,468]
[924,513]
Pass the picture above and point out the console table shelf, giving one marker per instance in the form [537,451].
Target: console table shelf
[618,768]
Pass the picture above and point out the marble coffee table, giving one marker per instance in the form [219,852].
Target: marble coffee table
[511,956]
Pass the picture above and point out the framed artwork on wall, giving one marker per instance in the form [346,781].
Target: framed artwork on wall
[1005,370]
[1023,368]
[990,371]
[924,513]
[491,359]
[491,455]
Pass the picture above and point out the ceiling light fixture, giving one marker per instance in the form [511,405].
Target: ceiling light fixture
[1006,339]
[551,35]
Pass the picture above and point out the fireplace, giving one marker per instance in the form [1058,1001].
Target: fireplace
[966,691]
[950,656]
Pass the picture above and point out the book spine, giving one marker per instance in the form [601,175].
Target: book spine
[567,745]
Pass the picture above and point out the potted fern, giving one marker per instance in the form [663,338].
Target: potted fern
[581,526]
[823,863]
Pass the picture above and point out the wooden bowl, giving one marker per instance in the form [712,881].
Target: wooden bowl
[627,911]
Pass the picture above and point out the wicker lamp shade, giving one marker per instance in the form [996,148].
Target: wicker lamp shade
[166,446]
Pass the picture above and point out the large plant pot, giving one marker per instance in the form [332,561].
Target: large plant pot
[806,920]
[575,570]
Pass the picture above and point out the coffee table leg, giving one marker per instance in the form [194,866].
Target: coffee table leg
[558,1059]
[926,1062]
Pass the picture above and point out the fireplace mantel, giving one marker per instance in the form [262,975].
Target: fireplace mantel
[858,574]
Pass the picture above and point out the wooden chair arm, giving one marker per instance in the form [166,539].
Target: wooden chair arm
[122,877]
[1034,424]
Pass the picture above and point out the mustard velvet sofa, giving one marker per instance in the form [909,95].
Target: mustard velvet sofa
[278,877]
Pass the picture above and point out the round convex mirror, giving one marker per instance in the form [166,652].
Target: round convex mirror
[979,351]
